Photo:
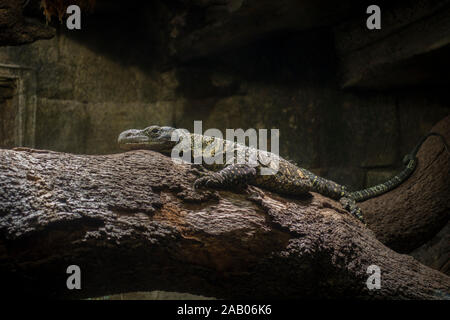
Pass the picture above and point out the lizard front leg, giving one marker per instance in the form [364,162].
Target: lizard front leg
[198,170]
[232,175]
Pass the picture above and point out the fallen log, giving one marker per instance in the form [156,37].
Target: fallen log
[133,222]
[412,214]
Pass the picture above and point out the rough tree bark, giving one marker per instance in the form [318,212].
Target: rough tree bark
[412,214]
[133,222]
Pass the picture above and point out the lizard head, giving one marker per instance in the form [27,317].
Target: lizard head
[151,138]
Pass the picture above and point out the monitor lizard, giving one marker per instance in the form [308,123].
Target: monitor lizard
[287,178]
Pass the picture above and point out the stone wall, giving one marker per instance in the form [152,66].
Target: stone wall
[94,84]
[17,106]
[84,99]
[7,90]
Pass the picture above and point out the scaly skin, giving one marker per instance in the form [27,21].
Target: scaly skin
[288,179]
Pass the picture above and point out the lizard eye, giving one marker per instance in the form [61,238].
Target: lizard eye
[153,131]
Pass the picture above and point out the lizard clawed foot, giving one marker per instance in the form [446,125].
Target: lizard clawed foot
[358,214]
[346,202]
[349,204]
[198,170]
[235,176]
[210,180]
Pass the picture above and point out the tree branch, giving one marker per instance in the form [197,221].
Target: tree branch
[133,222]
[413,213]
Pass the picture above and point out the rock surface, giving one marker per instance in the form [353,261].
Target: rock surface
[16,29]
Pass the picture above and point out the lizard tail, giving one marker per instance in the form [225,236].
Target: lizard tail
[410,162]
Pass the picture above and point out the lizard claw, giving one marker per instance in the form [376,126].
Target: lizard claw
[198,183]
[208,181]
[196,172]
[349,204]
[345,202]
[356,212]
